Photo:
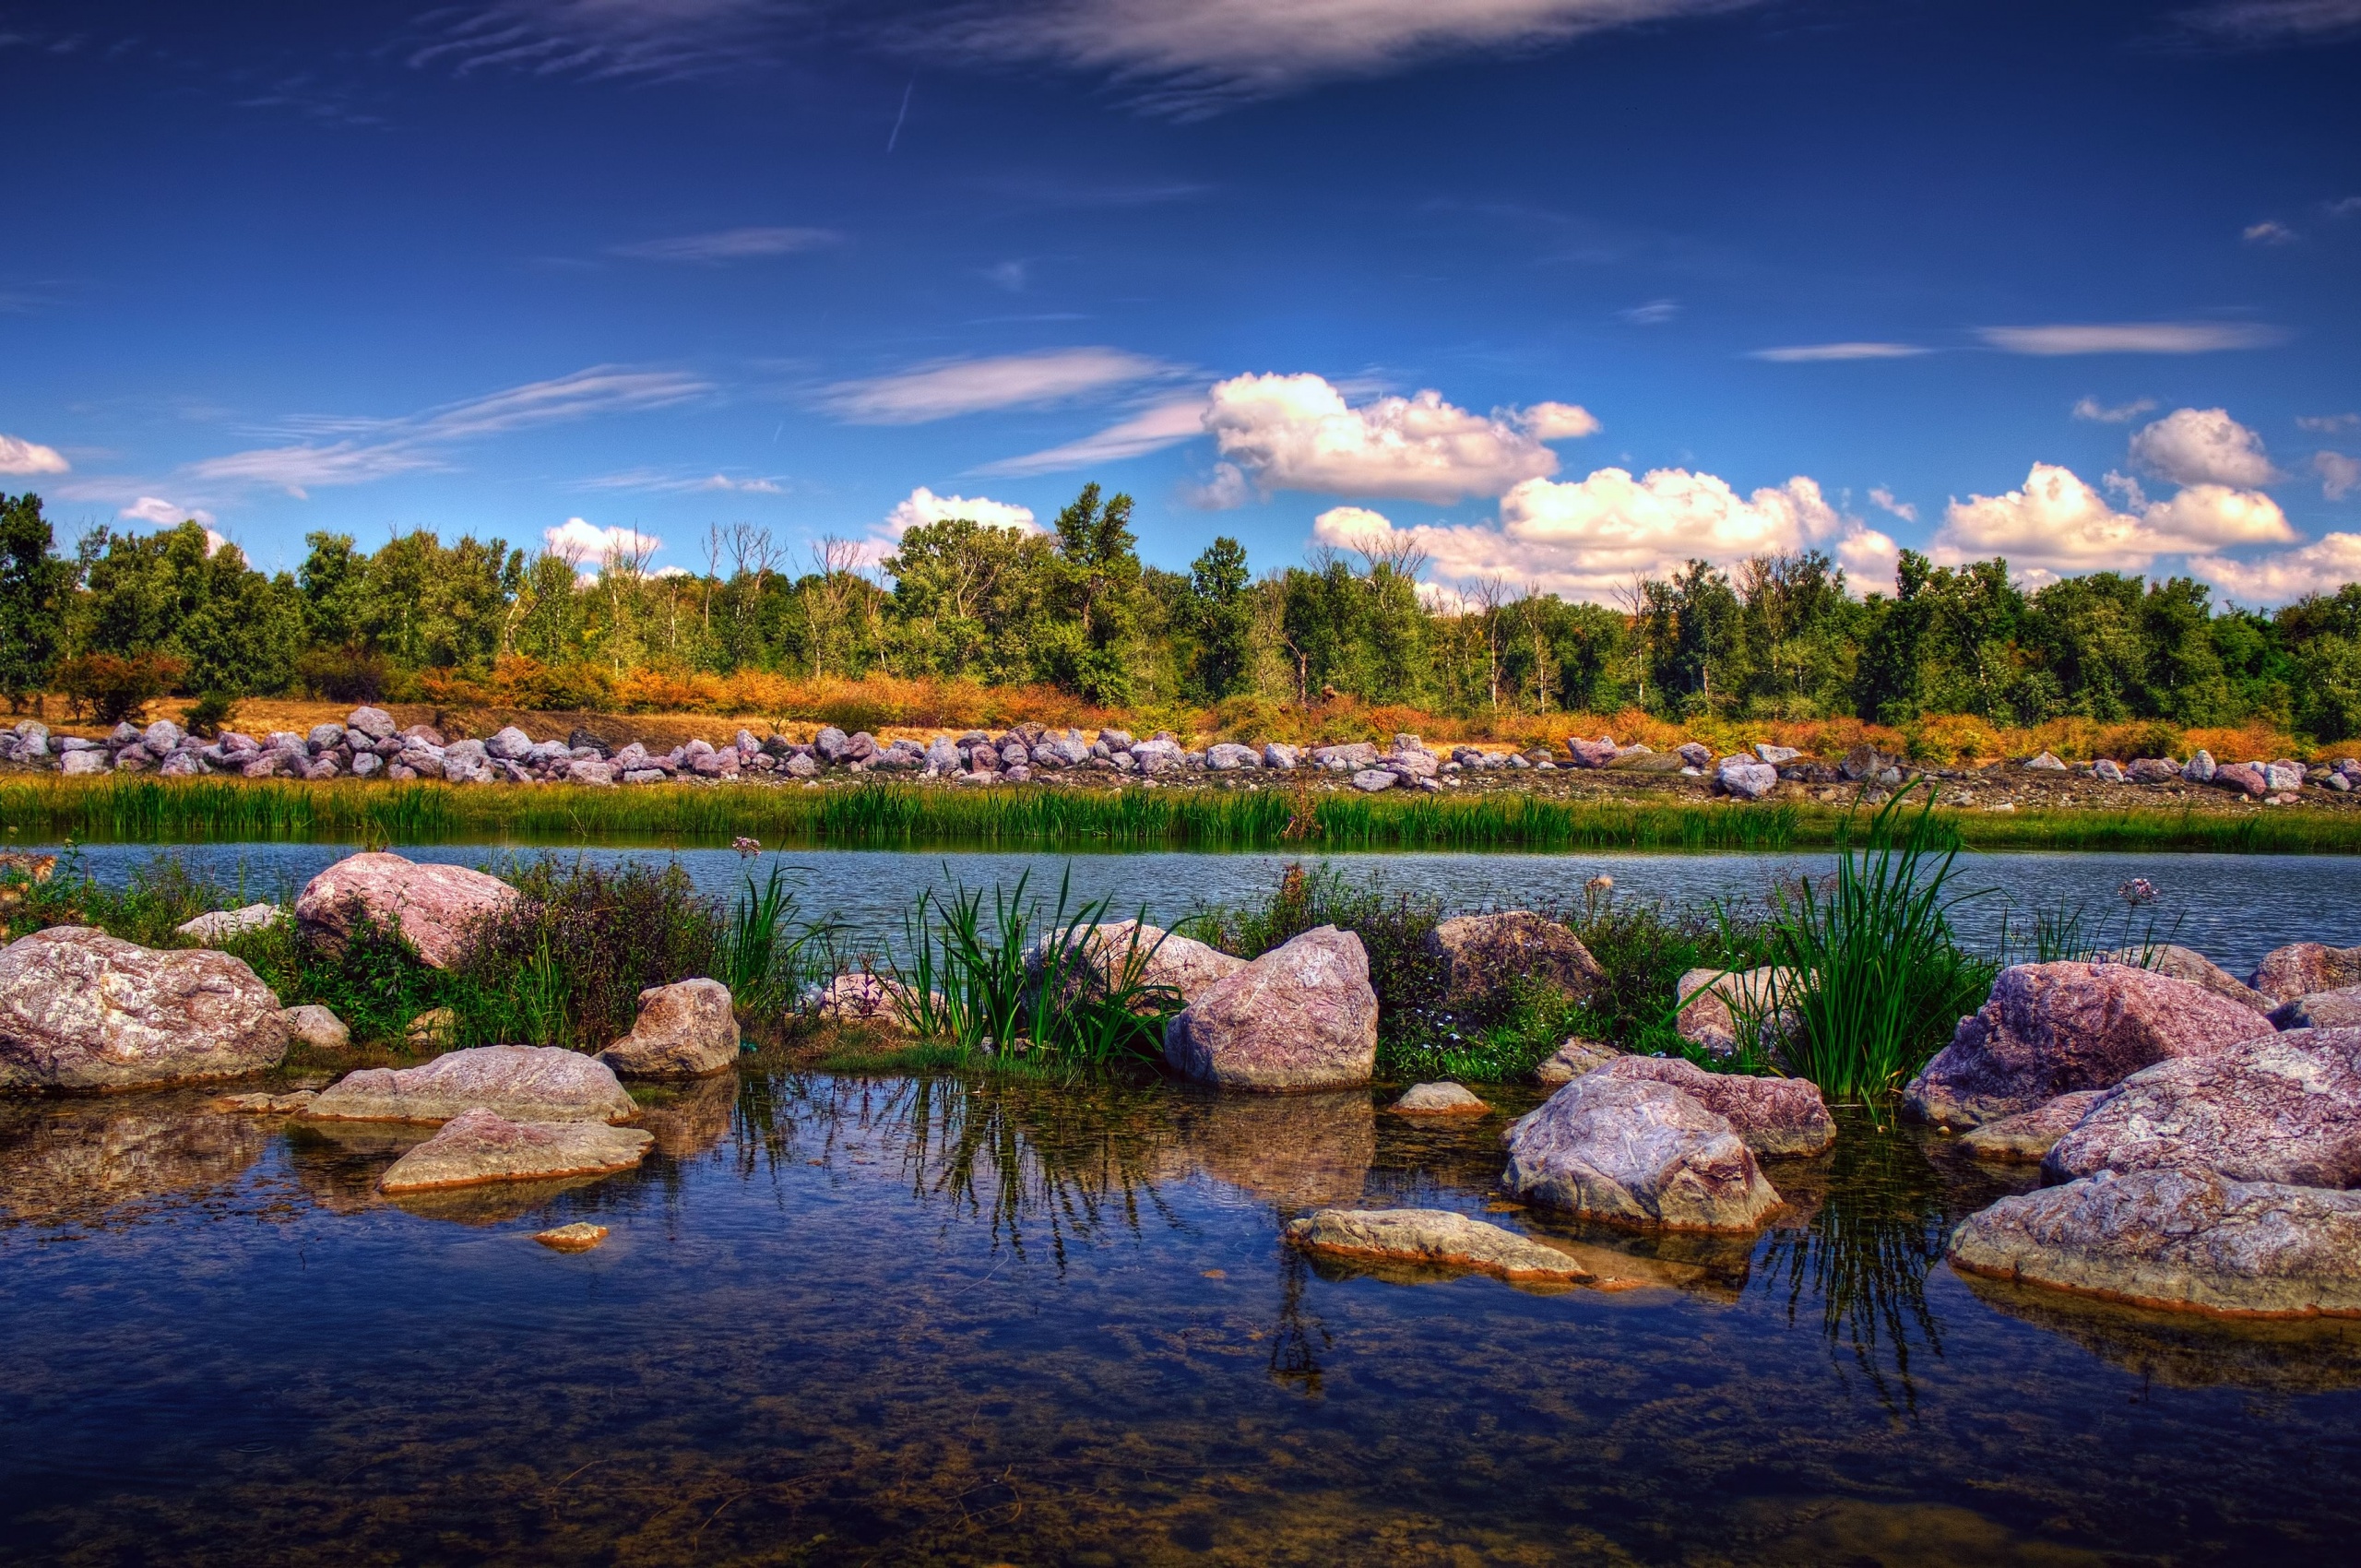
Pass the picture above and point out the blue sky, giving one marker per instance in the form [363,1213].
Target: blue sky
[1554,290]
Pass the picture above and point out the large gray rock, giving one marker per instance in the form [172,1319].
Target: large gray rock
[1746,778]
[685,1030]
[2188,964]
[1636,1152]
[2302,967]
[527,1083]
[2285,1107]
[2338,1009]
[1431,1238]
[211,929]
[482,1145]
[1482,954]
[1227,756]
[1775,1116]
[83,1010]
[1301,1016]
[435,908]
[2049,1030]
[374,723]
[2181,1239]
[2024,1138]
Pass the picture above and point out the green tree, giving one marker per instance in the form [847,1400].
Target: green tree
[1221,614]
[35,587]
[1093,600]
[238,632]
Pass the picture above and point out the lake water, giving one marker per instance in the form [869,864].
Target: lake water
[904,1320]
[2232,907]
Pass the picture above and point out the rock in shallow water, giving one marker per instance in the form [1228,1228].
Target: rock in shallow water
[528,1083]
[2050,1029]
[480,1146]
[83,1010]
[2183,1238]
[683,1030]
[1301,1016]
[1439,1099]
[2301,968]
[579,1237]
[1572,1058]
[1636,1152]
[1773,1116]
[2023,1138]
[1432,1238]
[2285,1107]
[316,1026]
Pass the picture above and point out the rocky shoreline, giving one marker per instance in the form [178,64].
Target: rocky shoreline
[369,744]
[2198,1135]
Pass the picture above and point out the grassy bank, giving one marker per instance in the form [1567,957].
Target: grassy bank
[150,810]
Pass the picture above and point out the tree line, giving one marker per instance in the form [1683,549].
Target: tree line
[1779,636]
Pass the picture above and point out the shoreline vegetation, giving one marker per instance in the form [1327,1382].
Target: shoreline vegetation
[36,809]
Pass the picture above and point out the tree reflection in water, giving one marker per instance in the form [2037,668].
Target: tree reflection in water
[1072,1159]
[1879,1214]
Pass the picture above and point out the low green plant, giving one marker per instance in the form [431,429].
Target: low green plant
[1880,981]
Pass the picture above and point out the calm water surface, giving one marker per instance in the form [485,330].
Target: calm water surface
[2233,908]
[904,1320]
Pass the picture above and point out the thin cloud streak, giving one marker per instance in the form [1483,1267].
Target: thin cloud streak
[947,388]
[376,449]
[1820,354]
[2132,338]
[730,244]
[1151,430]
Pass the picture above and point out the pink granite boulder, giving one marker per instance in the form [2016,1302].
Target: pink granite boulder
[685,1030]
[83,1010]
[1775,1116]
[2285,1107]
[2302,967]
[1301,1016]
[435,908]
[2050,1029]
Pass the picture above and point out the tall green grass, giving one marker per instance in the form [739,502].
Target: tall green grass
[1880,981]
[872,815]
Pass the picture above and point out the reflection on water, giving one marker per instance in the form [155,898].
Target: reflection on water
[942,1320]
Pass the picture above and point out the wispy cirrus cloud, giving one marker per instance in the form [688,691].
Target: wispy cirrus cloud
[2117,413]
[946,388]
[2256,24]
[2132,338]
[1818,353]
[667,481]
[1196,58]
[372,448]
[648,39]
[730,244]
[1160,424]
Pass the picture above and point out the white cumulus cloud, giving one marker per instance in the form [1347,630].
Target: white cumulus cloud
[2340,475]
[21,456]
[923,505]
[1884,501]
[2131,337]
[2202,447]
[589,546]
[1558,421]
[2060,522]
[1588,539]
[165,514]
[947,388]
[1298,433]
[2286,575]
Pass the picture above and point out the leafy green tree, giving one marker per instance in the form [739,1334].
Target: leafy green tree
[1093,598]
[1221,613]
[34,588]
[237,631]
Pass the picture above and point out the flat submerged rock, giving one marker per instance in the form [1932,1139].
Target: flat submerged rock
[1432,1238]
[480,1146]
[2182,1239]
